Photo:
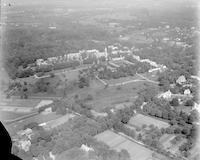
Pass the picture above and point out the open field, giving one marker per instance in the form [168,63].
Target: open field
[137,38]
[118,142]
[139,120]
[40,118]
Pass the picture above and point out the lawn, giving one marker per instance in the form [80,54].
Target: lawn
[118,142]
[139,120]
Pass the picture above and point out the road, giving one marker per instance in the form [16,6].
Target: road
[148,80]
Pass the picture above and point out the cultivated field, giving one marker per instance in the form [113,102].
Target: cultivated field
[118,142]
[139,120]
[40,118]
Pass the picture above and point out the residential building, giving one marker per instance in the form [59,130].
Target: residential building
[165,95]
[181,80]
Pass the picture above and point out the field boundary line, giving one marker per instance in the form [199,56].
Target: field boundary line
[155,82]
[20,118]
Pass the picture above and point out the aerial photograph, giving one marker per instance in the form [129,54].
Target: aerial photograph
[100,79]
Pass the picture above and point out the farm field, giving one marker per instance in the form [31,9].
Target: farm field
[118,142]
[40,118]
[139,120]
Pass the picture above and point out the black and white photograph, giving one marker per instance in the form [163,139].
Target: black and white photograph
[99,79]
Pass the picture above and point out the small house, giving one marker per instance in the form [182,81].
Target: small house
[181,80]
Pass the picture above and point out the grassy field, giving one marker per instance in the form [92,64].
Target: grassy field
[139,120]
[19,102]
[7,115]
[118,142]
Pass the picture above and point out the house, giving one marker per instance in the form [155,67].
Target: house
[155,69]
[181,80]
[24,145]
[165,95]
[136,57]
[40,62]
[187,92]
[28,132]
[47,111]
[142,106]
[73,56]
[196,107]
[86,148]
[118,58]
[165,39]
[52,156]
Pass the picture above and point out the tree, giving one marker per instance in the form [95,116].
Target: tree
[144,126]
[189,102]
[174,102]
[124,155]
[139,137]
[177,130]
[186,131]
[165,115]
[34,150]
